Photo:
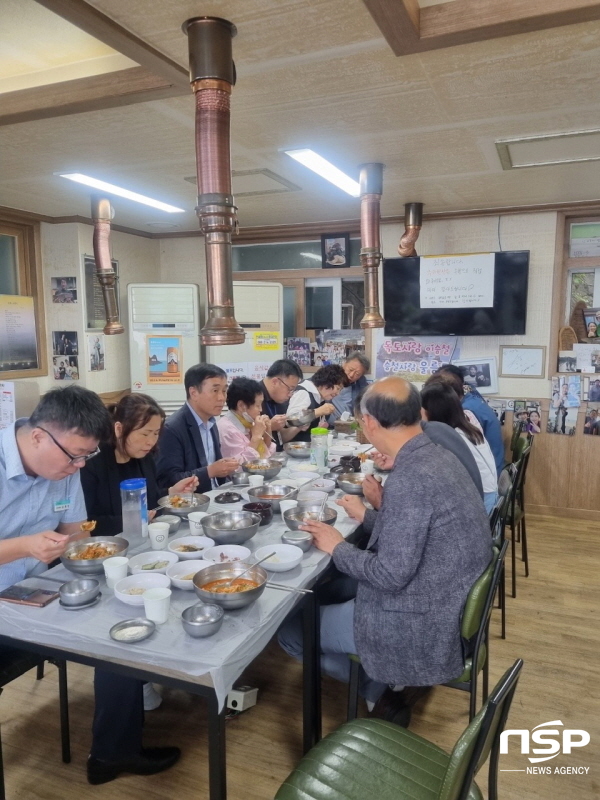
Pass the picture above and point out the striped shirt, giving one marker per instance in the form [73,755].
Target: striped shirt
[31,505]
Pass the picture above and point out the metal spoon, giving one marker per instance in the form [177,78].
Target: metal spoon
[256,563]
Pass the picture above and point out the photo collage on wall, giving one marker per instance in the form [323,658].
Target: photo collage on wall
[65,355]
[567,394]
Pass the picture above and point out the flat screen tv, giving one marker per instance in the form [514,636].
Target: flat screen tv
[405,317]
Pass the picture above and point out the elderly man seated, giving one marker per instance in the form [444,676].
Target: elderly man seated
[430,541]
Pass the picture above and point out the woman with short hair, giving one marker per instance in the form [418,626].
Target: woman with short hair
[244,432]
[316,395]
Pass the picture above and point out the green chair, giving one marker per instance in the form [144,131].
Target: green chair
[373,758]
[474,630]
[515,513]
[497,526]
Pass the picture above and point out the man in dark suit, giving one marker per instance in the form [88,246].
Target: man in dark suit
[430,541]
[189,444]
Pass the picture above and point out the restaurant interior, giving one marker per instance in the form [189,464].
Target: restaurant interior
[236,183]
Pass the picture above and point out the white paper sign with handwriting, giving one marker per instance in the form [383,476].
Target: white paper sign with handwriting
[462,281]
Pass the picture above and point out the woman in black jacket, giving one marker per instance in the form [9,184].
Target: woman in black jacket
[138,421]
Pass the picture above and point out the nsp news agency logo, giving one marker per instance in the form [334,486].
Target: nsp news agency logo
[553,743]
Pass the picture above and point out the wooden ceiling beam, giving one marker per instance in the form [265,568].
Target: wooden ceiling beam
[409,30]
[106,30]
[121,88]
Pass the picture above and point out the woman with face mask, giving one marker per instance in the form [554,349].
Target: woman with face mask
[244,432]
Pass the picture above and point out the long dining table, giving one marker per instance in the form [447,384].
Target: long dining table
[207,667]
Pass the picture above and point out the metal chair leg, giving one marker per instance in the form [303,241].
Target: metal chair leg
[524,552]
[502,595]
[513,558]
[65,733]
[486,667]
[40,672]
[353,690]
[2,787]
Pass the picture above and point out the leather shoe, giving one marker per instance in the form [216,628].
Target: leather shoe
[396,706]
[148,762]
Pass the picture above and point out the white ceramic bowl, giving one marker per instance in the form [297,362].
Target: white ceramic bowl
[226,553]
[150,557]
[303,476]
[287,556]
[178,571]
[139,582]
[311,497]
[201,542]
[322,485]
[344,448]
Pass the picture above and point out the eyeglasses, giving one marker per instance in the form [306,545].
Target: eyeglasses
[72,459]
[290,389]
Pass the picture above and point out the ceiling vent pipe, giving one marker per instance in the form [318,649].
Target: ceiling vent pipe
[413,222]
[102,213]
[371,189]
[212,75]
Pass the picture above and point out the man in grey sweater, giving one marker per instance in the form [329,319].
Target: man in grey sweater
[430,541]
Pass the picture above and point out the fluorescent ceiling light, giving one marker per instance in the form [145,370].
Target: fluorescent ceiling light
[326,170]
[112,189]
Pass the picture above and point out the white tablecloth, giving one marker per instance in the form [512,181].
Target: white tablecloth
[243,635]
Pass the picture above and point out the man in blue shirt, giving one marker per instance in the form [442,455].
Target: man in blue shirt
[356,366]
[474,402]
[41,511]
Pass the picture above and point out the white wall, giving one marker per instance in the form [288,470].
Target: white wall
[534,232]
[62,248]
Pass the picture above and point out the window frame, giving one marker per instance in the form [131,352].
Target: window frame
[30,285]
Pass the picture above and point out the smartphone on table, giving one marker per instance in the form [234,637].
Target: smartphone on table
[27,596]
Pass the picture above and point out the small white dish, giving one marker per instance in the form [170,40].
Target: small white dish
[200,543]
[312,497]
[136,563]
[179,572]
[322,485]
[226,553]
[125,585]
[287,556]
[302,477]
[343,448]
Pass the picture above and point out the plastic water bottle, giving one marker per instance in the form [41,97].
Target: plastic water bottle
[134,503]
[319,450]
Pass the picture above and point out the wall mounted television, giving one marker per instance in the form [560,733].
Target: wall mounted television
[405,317]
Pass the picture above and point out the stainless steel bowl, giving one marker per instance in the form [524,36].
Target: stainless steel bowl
[300,420]
[351,482]
[79,592]
[295,517]
[202,620]
[92,566]
[172,520]
[282,457]
[266,467]
[274,493]
[240,478]
[301,539]
[297,449]
[200,502]
[227,571]
[231,527]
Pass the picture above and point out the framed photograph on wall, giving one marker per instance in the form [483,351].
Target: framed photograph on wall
[335,250]
[480,374]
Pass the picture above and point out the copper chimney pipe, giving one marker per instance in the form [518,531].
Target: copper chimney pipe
[413,222]
[102,213]
[212,75]
[371,189]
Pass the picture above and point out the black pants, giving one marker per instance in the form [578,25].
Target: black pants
[118,716]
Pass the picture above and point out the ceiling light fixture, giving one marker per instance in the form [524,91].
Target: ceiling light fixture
[326,170]
[103,186]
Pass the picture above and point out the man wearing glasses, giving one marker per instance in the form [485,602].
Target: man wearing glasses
[279,385]
[41,511]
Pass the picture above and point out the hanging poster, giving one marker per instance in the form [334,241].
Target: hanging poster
[266,340]
[164,356]
[18,341]
[64,290]
[460,281]
[7,404]
[257,370]
[413,357]
[235,370]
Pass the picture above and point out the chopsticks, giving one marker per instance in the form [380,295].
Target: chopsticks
[284,588]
